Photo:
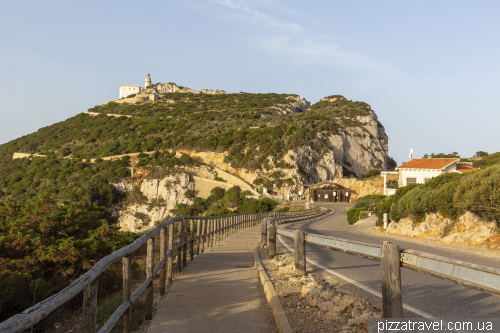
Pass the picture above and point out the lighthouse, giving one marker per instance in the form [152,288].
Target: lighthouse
[147,81]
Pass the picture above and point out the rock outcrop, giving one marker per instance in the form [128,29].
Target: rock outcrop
[212,92]
[354,149]
[162,195]
[296,105]
[470,229]
[170,87]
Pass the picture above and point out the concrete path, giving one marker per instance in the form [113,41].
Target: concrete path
[218,292]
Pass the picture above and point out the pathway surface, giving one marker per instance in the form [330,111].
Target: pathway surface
[218,292]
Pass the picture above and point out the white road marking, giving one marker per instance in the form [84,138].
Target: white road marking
[357,284]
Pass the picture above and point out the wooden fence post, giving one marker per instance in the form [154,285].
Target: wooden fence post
[163,252]
[392,299]
[203,237]
[170,257]
[263,234]
[191,243]
[127,319]
[272,241]
[217,234]
[210,235]
[150,262]
[300,252]
[90,307]
[179,250]
[184,248]
[224,225]
[198,233]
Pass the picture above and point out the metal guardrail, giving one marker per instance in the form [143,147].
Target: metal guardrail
[482,278]
[209,231]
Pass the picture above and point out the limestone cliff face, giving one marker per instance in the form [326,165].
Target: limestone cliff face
[162,195]
[470,229]
[355,149]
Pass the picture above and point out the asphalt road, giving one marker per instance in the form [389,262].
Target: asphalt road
[427,295]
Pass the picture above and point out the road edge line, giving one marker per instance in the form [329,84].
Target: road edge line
[273,300]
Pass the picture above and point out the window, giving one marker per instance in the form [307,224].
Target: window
[427,179]
[411,181]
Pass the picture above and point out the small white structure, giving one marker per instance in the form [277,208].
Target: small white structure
[421,170]
[388,190]
[127,89]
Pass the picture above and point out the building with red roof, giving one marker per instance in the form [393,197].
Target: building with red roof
[421,170]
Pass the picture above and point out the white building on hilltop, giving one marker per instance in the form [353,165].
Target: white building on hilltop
[127,89]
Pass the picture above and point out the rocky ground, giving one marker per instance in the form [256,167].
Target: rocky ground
[316,303]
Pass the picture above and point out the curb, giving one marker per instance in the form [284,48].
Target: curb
[272,298]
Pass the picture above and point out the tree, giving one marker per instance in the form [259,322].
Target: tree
[481,154]
[46,245]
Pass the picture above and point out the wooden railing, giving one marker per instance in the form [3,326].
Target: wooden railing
[76,307]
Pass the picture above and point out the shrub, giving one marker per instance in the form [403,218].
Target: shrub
[258,181]
[353,214]
[369,200]
[232,197]
[190,193]
[418,201]
[480,193]
[371,173]
[217,193]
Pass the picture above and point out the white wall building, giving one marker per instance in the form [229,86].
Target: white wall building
[127,89]
[421,170]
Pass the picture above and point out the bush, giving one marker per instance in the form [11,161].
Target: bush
[390,205]
[369,200]
[480,193]
[371,173]
[232,197]
[217,193]
[353,214]
[418,201]
[258,181]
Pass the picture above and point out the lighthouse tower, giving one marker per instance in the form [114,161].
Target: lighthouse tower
[147,81]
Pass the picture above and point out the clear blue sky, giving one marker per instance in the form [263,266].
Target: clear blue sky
[429,69]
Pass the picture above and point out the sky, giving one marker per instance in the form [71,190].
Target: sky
[429,69]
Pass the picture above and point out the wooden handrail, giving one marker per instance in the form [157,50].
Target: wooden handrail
[225,226]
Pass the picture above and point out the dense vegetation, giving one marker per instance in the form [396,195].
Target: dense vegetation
[44,246]
[231,122]
[451,195]
[220,202]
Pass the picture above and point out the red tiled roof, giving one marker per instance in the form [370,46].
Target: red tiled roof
[465,168]
[428,163]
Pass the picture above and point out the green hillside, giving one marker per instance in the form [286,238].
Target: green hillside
[200,122]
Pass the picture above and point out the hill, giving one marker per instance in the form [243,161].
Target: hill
[255,132]
[90,183]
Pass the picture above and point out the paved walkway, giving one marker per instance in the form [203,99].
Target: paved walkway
[218,292]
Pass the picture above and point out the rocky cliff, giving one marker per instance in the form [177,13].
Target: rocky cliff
[470,229]
[161,195]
